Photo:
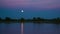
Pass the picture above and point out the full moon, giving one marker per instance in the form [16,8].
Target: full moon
[22,11]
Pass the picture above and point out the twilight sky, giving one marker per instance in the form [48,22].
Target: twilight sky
[31,3]
[32,8]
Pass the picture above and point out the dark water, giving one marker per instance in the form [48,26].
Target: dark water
[30,28]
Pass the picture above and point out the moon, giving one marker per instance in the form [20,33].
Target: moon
[22,11]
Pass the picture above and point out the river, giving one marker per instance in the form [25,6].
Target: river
[30,28]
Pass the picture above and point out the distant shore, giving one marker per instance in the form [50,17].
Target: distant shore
[34,20]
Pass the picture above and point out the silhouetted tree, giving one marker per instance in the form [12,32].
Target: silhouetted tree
[34,18]
[58,18]
[22,19]
[38,18]
[7,18]
[0,18]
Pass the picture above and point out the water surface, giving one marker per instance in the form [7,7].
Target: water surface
[29,28]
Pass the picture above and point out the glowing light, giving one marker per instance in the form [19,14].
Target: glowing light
[22,11]
[21,28]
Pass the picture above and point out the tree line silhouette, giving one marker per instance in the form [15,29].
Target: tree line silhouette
[34,19]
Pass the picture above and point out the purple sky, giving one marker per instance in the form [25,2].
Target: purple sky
[31,3]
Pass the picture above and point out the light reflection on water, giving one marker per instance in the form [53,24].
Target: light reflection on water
[29,28]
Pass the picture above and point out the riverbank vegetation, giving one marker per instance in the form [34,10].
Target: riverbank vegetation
[34,20]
